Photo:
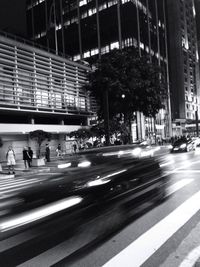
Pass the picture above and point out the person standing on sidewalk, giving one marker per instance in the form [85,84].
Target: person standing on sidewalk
[30,152]
[10,156]
[59,151]
[74,147]
[47,154]
[26,157]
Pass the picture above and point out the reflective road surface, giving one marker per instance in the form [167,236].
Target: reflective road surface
[107,233]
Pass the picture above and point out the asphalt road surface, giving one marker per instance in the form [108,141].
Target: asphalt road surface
[164,234]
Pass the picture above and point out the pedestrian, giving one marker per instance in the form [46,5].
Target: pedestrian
[30,152]
[74,147]
[59,151]
[47,154]
[26,157]
[10,156]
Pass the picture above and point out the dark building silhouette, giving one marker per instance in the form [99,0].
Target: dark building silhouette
[13,17]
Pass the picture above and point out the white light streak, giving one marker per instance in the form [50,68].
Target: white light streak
[84,164]
[39,213]
[65,165]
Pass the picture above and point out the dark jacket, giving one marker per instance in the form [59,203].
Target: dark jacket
[30,152]
[26,155]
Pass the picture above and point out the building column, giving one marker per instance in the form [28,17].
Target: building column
[98,29]
[119,23]
[149,30]
[138,26]
[79,30]
[62,28]
[169,130]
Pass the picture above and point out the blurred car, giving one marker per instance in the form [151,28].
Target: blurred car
[183,145]
[115,180]
[196,141]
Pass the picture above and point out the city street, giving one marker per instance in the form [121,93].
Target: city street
[153,234]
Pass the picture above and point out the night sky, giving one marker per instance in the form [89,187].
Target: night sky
[13,16]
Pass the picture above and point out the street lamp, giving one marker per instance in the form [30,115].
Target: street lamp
[123,96]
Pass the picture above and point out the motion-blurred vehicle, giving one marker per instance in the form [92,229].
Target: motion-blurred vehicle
[98,182]
[183,145]
[196,141]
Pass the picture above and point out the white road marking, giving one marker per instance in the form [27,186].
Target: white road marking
[167,163]
[186,171]
[191,258]
[178,185]
[148,243]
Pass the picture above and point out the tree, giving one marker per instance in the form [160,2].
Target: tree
[80,134]
[132,82]
[117,128]
[39,136]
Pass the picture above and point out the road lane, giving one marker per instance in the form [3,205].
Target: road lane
[182,186]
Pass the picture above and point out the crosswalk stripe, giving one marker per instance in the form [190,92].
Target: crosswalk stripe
[59,252]
[149,242]
[14,185]
[178,185]
[15,182]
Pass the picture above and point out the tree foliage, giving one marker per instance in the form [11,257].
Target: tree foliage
[116,128]
[80,134]
[40,136]
[133,84]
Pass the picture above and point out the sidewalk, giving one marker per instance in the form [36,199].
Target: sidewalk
[55,164]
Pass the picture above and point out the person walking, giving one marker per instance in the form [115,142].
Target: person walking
[59,151]
[10,156]
[26,157]
[30,152]
[47,154]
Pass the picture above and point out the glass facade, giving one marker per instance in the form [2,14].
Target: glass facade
[84,28]
[35,81]
[184,59]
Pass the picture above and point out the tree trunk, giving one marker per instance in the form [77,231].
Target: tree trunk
[106,117]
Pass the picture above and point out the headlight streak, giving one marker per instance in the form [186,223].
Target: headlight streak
[97,182]
[65,165]
[167,163]
[39,213]
[183,146]
[84,164]
[136,152]
[104,179]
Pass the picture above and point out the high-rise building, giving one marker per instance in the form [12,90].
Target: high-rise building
[183,63]
[84,29]
[197,7]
